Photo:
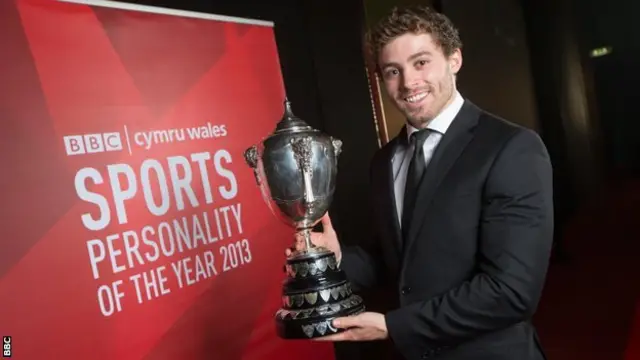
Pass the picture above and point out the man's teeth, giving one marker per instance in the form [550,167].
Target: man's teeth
[416,98]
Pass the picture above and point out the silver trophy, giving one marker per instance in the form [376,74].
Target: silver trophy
[295,168]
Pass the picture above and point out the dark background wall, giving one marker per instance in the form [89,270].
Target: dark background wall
[496,71]
[614,23]
[588,113]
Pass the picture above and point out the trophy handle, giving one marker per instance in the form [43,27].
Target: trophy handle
[337,146]
[251,158]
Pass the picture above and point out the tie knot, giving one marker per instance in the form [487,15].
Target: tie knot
[419,137]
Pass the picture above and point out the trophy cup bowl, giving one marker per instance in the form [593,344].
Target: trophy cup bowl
[295,169]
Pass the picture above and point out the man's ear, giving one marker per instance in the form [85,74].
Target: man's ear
[455,61]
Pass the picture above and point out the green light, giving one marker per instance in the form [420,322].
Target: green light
[601,51]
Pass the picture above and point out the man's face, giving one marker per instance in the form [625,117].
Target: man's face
[418,76]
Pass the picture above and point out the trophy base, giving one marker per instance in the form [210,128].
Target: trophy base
[310,328]
[315,293]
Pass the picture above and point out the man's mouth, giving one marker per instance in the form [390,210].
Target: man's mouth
[416,97]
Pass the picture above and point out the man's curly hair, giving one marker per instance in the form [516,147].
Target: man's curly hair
[416,20]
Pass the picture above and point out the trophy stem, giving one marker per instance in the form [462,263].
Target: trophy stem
[306,234]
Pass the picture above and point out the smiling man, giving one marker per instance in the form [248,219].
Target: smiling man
[462,205]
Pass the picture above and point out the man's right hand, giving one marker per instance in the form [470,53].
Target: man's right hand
[327,239]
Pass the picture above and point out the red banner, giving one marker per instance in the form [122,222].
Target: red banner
[131,226]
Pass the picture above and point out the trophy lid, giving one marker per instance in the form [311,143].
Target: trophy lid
[289,121]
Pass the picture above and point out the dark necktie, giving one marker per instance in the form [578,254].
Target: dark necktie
[414,175]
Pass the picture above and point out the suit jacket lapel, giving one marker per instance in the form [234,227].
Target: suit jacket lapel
[449,149]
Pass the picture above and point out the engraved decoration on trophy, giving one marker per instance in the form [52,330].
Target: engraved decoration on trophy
[295,168]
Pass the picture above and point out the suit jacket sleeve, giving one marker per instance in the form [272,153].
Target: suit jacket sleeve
[515,239]
[361,266]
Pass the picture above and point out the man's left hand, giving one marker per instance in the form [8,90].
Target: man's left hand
[367,326]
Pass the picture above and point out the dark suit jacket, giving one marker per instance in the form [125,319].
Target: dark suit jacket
[470,273]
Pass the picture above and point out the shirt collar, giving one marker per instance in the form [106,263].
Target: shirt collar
[442,122]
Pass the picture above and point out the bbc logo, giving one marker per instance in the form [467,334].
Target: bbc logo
[6,346]
[92,143]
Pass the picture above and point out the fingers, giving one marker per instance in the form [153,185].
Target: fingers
[343,336]
[326,222]
[347,335]
[347,322]
[299,245]
[316,239]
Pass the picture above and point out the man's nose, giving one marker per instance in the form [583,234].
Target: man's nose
[410,79]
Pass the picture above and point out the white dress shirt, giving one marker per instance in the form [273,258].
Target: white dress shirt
[402,157]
